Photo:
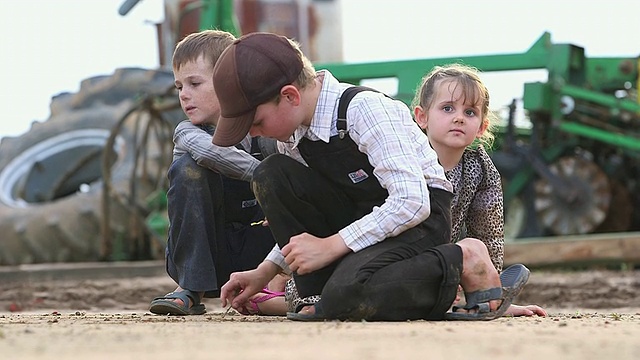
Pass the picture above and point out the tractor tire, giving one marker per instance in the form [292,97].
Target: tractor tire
[124,84]
[584,202]
[51,177]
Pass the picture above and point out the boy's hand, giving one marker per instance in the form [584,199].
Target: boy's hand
[239,288]
[242,285]
[306,253]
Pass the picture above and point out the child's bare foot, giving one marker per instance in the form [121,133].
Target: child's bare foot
[265,302]
[308,310]
[478,272]
[278,283]
[180,302]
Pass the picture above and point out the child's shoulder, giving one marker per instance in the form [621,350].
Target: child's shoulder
[477,152]
[187,125]
[368,101]
[479,157]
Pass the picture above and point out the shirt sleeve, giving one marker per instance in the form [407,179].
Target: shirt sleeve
[485,217]
[228,161]
[276,257]
[385,131]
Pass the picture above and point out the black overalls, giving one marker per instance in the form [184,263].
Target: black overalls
[414,275]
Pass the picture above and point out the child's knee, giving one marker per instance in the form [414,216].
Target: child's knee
[184,168]
[473,247]
[268,167]
[271,172]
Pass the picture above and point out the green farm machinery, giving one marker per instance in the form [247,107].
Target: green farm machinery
[575,169]
[89,183]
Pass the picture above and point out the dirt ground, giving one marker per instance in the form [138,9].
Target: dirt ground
[592,315]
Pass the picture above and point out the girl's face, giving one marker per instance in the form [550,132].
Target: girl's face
[453,121]
[198,98]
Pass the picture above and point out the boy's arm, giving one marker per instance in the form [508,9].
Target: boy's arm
[385,131]
[228,161]
[276,257]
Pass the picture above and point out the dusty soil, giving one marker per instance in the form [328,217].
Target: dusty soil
[592,315]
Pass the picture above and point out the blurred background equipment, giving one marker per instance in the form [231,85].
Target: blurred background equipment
[89,183]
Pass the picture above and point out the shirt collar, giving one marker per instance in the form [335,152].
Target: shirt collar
[324,118]
[325,112]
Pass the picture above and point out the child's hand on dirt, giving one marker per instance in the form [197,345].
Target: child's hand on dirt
[526,310]
[239,288]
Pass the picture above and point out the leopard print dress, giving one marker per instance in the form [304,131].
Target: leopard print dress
[477,204]
[476,211]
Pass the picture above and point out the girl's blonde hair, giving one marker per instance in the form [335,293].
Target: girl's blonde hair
[473,88]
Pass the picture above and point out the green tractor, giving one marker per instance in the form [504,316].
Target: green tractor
[88,184]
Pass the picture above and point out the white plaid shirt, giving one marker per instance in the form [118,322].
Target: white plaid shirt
[404,163]
[229,161]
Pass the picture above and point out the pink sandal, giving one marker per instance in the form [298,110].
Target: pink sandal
[253,308]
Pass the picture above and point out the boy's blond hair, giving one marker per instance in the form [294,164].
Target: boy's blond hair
[207,43]
[308,74]
[472,89]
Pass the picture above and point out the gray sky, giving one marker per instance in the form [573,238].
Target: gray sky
[51,46]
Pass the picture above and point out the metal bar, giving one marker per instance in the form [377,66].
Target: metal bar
[603,99]
[629,142]
[409,72]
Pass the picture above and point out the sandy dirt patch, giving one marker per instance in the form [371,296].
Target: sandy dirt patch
[593,315]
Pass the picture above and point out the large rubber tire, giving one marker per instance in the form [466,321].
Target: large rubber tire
[584,202]
[51,177]
[124,84]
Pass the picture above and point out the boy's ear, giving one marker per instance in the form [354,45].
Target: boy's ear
[291,94]
[420,116]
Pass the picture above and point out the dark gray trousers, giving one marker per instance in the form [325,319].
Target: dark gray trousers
[209,233]
[414,275]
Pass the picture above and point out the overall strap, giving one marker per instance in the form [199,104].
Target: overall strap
[255,150]
[345,99]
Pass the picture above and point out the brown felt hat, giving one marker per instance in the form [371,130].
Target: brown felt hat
[250,72]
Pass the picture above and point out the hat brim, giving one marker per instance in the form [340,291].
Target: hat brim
[230,131]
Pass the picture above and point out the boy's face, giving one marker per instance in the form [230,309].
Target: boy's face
[276,120]
[198,98]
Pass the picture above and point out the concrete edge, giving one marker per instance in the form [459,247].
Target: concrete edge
[81,271]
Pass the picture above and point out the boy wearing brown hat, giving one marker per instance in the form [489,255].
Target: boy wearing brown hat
[360,210]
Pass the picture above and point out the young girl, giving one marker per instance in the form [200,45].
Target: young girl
[452,107]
